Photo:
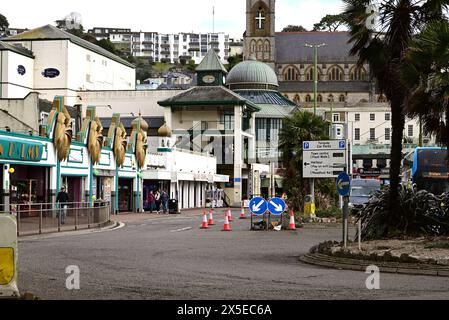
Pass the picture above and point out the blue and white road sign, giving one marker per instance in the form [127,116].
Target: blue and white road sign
[343,184]
[258,206]
[276,206]
[306,145]
[342,144]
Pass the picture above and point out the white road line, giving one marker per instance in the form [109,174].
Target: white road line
[183,229]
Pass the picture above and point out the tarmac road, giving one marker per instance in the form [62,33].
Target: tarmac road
[171,258]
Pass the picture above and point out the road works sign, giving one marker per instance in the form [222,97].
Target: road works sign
[258,206]
[324,159]
[8,256]
[276,206]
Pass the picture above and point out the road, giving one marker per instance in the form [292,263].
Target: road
[171,258]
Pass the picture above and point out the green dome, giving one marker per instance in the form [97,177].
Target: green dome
[252,74]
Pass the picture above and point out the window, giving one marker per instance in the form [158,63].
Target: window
[335,74]
[372,134]
[308,98]
[387,116]
[44,118]
[261,129]
[410,130]
[372,117]
[309,74]
[260,19]
[342,98]
[357,134]
[291,74]
[330,98]
[382,99]
[297,99]
[387,134]
[88,78]
[357,117]
[319,98]
[357,74]
[336,117]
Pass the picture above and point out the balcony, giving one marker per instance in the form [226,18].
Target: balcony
[194,49]
[165,45]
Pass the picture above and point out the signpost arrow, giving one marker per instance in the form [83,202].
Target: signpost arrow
[276,206]
[258,206]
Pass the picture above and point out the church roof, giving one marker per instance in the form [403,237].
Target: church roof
[290,47]
[207,96]
[251,72]
[211,62]
[50,32]
[325,86]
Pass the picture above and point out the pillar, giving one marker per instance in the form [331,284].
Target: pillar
[238,156]
[5,187]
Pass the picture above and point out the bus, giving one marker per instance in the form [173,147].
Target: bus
[427,168]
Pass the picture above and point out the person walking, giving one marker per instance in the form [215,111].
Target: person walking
[157,198]
[164,201]
[62,199]
[152,201]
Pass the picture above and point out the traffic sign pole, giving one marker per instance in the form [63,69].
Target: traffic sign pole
[345,219]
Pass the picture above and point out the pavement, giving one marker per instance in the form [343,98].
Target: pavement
[170,257]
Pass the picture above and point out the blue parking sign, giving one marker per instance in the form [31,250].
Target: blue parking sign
[342,144]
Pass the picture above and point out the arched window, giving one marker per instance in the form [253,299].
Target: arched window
[297,99]
[308,98]
[319,98]
[382,99]
[286,95]
[259,46]
[253,46]
[267,46]
[291,74]
[357,73]
[309,74]
[335,73]
[330,98]
[342,98]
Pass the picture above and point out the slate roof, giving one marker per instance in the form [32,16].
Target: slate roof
[203,96]
[260,97]
[274,111]
[50,32]
[290,47]
[325,86]
[8,47]
[153,122]
[211,62]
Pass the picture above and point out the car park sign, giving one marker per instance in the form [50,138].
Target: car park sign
[324,159]
[276,206]
[258,206]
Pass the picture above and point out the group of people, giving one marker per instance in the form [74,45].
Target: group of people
[158,201]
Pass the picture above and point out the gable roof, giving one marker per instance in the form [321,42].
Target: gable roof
[211,62]
[290,47]
[8,47]
[50,32]
[207,96]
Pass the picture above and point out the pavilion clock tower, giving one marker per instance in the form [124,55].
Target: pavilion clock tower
[259,39]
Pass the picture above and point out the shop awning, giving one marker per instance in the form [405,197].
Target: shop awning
[24,150]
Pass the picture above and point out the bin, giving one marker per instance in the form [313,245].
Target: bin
[173,206]
[309,206]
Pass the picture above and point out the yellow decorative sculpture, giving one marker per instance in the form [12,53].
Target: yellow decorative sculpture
[141,148]
[62,135]
[120,144]
[95,141]
[138,143]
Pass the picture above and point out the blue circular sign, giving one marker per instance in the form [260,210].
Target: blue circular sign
[276,206]
[258,206]
[21,70]
[343,184]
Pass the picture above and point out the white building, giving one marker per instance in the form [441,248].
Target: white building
[65,64]
[166,47]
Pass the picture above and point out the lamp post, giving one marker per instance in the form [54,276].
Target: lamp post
[315,71]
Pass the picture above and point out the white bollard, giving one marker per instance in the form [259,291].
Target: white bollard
[8,256]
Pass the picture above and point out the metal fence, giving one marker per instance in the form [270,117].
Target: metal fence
[39,218]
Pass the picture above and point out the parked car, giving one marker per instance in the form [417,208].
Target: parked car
[361,191]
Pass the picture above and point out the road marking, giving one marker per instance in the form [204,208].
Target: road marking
[183,229]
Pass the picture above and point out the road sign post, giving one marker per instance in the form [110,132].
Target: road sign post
[343,188]
[257,206]
[276,206]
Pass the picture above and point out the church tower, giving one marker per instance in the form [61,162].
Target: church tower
[259,39]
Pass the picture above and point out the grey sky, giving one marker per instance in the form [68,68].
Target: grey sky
[163,15]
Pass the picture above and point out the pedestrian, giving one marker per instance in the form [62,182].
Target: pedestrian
[157,198]
[152,201]
[164,201]
[62,199]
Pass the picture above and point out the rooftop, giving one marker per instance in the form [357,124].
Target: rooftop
[8,47]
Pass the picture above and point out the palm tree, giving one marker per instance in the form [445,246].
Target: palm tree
[301,126]
[426,72]
[383,48]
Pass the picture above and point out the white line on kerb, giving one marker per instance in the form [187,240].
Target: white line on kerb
[179,230]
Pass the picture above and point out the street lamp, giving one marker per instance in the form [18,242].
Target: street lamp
[315,73]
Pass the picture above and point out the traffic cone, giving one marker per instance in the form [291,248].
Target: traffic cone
[242,213]
[226,226]
[211,218]
[229,215]
[292,225]
[204,225]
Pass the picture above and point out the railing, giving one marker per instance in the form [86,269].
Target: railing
[39,218]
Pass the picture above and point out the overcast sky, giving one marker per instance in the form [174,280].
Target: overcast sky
[165,16]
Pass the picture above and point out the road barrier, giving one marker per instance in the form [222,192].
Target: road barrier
[8,256]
